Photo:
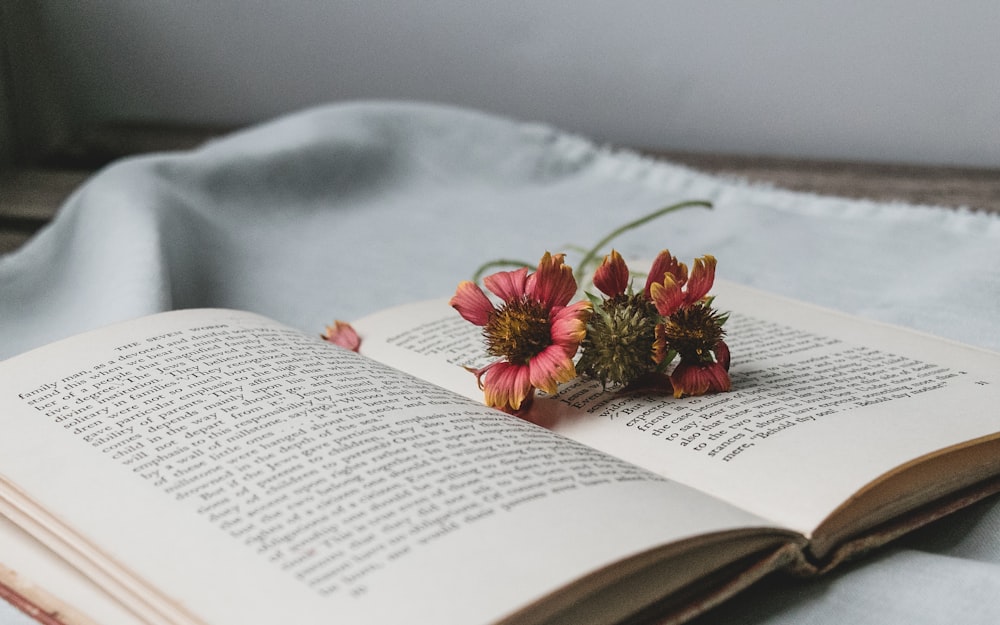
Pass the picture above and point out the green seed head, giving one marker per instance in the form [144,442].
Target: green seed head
[618,347]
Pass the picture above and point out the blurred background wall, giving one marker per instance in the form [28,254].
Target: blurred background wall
[908,81]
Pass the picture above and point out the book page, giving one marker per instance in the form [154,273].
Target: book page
[822,403]
[215,467]
[35,573]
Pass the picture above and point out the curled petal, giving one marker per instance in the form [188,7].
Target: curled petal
[507,285]
[550,368]
[721,351]
[478,373]
[720,378]
[667,296]
[660,348]
[612,276]
[506,386]
[699,378]
[470,302]
[553,283]
[701,280]
[569,325]
[522,408]
[343,334]
[665,264]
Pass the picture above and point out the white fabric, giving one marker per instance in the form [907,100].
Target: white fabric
[343,210]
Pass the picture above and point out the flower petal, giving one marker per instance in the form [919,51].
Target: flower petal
[612,276]
[568,326]
[553,283]
[701,280]
[470,302]
[699,378]
[507,285]
[660,348]
[506,386]
[688,379]
[721,383]
[665,264]
[551,367]
[721,351]
[343,334]
[667,296]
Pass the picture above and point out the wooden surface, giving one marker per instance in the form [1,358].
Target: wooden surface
[953,187]
[30,197]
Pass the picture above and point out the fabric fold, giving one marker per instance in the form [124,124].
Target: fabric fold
[341,210]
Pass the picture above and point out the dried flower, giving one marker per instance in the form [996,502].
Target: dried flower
[343,334]
[632,338]
[534,331]
[625,339]
[670,287]
[691,327]
[621,334]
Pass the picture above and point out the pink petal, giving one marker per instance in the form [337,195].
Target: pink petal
[720,382]
[663,264]
[553,284]
[479,373]
[551,367]
[667,296]
[688,379]
[507,285]
[702,278]
[612,276]
[506,386]
[343,334]
[472,303]
[698,379]
[722,354]
[569,325]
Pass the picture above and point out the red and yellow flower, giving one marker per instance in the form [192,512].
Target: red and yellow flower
[632,338]
[691,328]
[534,331]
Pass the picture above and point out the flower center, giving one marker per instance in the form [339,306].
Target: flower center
[618,347]
[693,331]
[518,331]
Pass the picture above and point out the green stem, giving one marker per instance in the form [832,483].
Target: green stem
[500,262]
[594,251]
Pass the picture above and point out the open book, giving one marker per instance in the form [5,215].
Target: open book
[213,467]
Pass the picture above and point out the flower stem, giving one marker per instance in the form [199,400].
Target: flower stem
[594,251]
[500,262]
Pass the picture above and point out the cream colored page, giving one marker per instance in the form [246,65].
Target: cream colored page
[258,475]
[822,403]
[50,583]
